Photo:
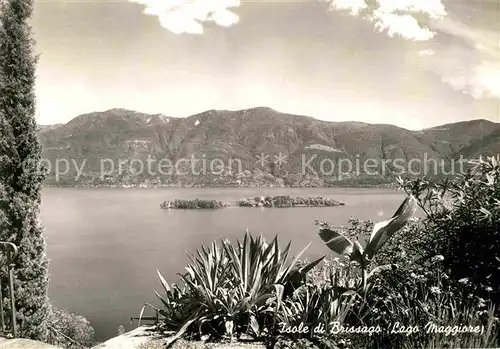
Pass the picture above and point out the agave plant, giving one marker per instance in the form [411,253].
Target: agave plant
[227,288]
[381,233]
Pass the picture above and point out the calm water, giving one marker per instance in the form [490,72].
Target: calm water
[105,245]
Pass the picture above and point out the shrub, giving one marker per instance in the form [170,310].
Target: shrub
[462,224]
[69,330]
[400,292]
[319,304]
[338,242]
[283,201]
[411,294]
[425,298]
[245,203]
[193,204]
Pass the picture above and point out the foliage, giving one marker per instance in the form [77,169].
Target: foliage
[228,289]
[407,295]
[402,250]
[419,297]
[462,224]
[282,201]
[68,330]
[312,305]
[193,204]
[382,232]
[415,290]
[419,291]
[20,177]
[321,304]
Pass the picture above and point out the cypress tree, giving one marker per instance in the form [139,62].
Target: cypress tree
[20,175]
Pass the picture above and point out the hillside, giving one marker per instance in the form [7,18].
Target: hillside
[110,147]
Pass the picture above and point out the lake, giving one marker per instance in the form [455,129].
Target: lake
[105,245]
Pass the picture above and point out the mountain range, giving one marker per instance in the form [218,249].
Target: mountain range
[252,147]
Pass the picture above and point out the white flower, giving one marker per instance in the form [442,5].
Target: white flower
[435,289]
[463,281]
[489,289]
[482,302]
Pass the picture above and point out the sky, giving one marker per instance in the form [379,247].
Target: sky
[411,63]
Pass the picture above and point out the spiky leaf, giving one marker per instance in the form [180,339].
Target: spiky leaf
[383,231]
[335,240]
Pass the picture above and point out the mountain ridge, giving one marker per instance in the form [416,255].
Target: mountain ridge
[482,120]
[222,135]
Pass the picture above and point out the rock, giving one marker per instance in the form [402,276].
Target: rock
[21,343]
[183,344]
[131,340]
[143,338]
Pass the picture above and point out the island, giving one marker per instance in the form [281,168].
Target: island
[280,201]
[283,201]
[193,204]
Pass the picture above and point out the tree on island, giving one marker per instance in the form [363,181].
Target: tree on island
[20,177]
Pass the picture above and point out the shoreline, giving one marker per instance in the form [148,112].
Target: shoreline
[141,186]
[279,201]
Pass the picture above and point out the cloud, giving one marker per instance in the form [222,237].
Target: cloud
[479,79]
[474,66]
[354,6]
[470,64]
[402,25]
[427,52]
[188,16]
[396,17]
